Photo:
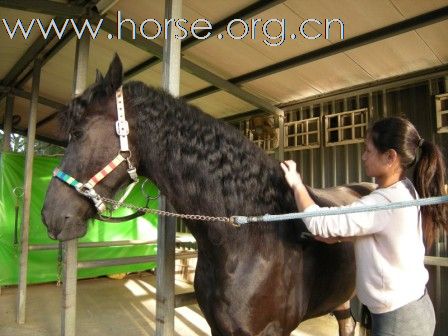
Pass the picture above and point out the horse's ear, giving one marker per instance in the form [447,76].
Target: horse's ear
[99,76]
[114,76]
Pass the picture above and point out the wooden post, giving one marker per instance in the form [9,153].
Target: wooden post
[7,123]
[70,248]
[25,227]
[69,282]
[166,228]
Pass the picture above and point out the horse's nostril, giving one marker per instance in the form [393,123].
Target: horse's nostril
[68,218]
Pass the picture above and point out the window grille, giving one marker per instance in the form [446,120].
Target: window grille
[268,145]
[442,113]
[263,132]
[302,134]
[346,127]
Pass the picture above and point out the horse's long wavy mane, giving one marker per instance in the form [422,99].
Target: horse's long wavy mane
[204,156]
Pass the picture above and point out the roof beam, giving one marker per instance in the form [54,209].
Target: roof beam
[339,47]
[245,13]
[40,43]
[47,56]
[38,137]
[157,50]
[383,84]
[229,87]
[41,100]
[45,7]
[103,6]
[37,47]
[27,95]
[151,47]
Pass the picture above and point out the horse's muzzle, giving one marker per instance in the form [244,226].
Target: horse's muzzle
[62,226]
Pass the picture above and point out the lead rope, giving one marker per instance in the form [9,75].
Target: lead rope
[167,213]
[237,221]
[59,266]
[18,194]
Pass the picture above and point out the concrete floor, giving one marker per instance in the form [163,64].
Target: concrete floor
[115,308]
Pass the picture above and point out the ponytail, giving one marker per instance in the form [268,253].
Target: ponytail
[429,181]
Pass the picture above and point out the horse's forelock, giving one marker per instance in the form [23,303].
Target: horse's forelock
[75,111]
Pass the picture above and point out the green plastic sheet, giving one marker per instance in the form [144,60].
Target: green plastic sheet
[42,265]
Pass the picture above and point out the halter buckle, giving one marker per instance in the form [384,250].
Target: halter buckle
[122,127]
[88,191]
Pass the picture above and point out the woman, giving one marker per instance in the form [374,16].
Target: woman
[389,249]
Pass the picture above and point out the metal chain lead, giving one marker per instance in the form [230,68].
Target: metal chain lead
[60,266]
[169,214]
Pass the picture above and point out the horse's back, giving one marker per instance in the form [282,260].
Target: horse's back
[341,195]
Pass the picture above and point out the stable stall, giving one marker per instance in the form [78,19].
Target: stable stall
[301,79]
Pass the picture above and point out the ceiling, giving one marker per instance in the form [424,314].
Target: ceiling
[382,39]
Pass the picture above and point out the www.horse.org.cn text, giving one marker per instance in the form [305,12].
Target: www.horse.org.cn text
[272,32]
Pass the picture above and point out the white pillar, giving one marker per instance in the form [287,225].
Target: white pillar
[166,228]
[25,227]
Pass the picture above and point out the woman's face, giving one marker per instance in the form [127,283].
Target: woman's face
[376,164]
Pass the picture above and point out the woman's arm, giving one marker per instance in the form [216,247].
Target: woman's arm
[301,195]
[348,225]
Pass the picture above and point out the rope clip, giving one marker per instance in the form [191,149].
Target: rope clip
[235,221]
[88,191]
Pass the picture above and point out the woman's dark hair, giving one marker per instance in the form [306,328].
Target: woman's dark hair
[429,173]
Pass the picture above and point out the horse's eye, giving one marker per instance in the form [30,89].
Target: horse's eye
[75,135]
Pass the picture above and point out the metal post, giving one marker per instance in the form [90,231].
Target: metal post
[333,150]
[281,136]
[302,165]
[371,117]
[358,145]
[438,242]
[171,49]
[25,227]
[70,249]
[7,123]
[311,151]
[81,65]
[346,160]
[384,103]
[166,228]
[69,278]
[322,152]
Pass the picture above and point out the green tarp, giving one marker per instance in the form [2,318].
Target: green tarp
[42,265]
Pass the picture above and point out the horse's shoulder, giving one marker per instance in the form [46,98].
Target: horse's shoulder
[341,195]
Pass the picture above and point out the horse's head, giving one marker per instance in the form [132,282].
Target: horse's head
[90,123]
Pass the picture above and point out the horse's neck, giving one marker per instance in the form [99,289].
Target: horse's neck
[162,159]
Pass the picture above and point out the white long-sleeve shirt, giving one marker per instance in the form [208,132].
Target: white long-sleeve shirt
[389,247]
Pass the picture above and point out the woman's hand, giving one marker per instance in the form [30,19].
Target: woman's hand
[291,175]
[333,240]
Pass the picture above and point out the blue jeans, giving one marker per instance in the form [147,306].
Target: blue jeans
[414,319]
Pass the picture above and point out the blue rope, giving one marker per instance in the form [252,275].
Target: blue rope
[240,220]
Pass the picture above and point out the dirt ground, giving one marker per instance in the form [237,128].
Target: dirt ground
[115,308]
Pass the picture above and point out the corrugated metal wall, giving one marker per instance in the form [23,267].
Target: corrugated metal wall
[336,165]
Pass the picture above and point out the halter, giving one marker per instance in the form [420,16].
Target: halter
[87,189]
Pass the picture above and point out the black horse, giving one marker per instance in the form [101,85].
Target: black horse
[259,279]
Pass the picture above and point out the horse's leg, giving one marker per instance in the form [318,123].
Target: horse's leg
[346,322]
[203,286]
